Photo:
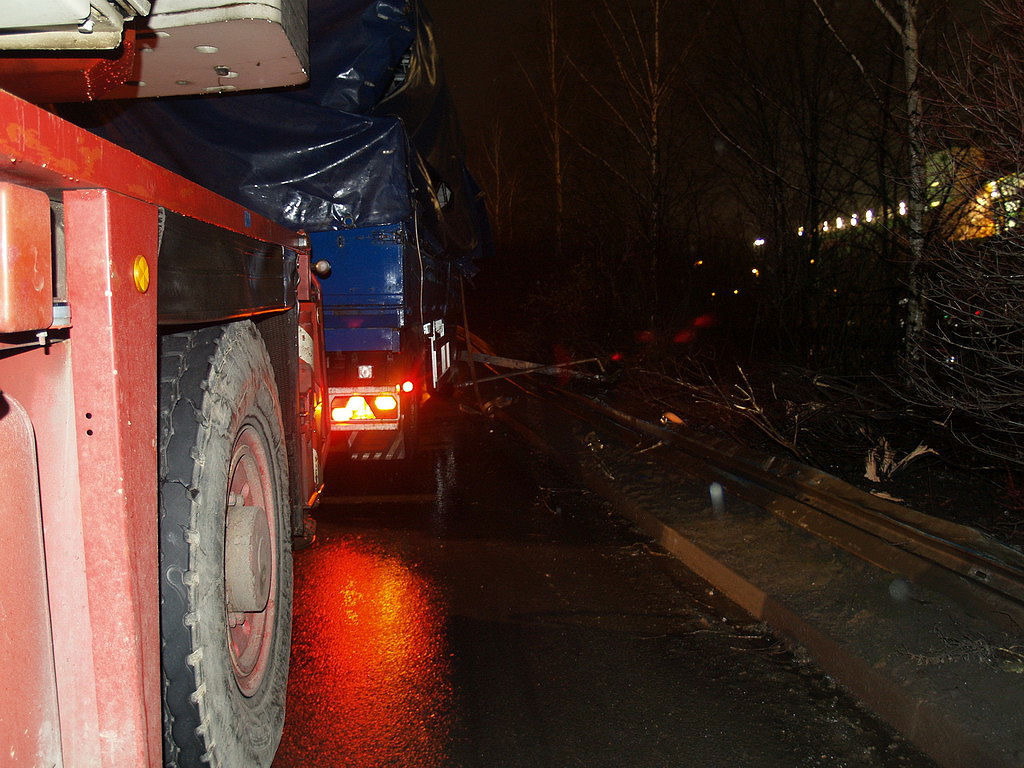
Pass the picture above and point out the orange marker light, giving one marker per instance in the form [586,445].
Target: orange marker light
[354,409]
[385,403]
[140,271]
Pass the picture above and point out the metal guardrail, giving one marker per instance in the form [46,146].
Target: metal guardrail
[956,560]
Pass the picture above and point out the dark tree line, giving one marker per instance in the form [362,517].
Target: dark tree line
[849,140]
[968,363]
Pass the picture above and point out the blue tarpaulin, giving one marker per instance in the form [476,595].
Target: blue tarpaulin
[371,135]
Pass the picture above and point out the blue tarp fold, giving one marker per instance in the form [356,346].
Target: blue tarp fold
[372,132]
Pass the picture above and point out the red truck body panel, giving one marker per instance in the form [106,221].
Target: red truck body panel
[49,79]
[92,407]
[39,149]
[80,640]
[114,371]
[28,697]
[26,275]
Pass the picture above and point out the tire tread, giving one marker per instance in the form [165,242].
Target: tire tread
[192,408]
[185,360]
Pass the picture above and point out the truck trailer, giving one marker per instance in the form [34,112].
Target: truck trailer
[196,291]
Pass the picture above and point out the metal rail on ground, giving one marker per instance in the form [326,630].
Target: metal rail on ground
[953,559]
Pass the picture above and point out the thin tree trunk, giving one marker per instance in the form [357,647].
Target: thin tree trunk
[654,93]
[907,30]
[554,89]
[911,67]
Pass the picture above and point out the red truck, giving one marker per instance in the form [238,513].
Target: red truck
[162,424]
[167,389]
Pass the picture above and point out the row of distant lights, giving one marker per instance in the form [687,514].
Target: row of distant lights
[843,223]
[991,192]
[825,226]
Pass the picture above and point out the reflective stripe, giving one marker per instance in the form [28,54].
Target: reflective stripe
[305,347]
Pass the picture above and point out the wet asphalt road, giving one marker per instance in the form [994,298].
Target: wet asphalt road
[475,608]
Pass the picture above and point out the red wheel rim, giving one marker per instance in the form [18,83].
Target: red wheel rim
[250,635]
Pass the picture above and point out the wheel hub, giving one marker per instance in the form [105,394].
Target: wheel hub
[250,560]
[247,559]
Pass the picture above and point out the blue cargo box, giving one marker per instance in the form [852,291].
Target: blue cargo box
[364,296]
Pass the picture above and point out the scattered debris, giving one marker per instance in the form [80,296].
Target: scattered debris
[593,442]
[497,403]
[838,422]
[957,650]
[881,463]
[1015,659]
[886,496]
[977,649]
[650,447]
[642,548]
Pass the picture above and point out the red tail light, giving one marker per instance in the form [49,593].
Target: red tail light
[373,406]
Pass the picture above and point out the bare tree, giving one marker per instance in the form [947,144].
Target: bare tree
[905,24]
[969,358]
[636,98]
[805,143]
[501,181]
[555,69]
[903,19]
[549,91]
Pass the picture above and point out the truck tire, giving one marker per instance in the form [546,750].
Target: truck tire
[225,547]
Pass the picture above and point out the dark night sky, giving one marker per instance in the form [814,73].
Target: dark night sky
[486,44]
[478,40]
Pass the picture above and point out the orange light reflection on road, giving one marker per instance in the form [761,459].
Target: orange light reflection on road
[370,673]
